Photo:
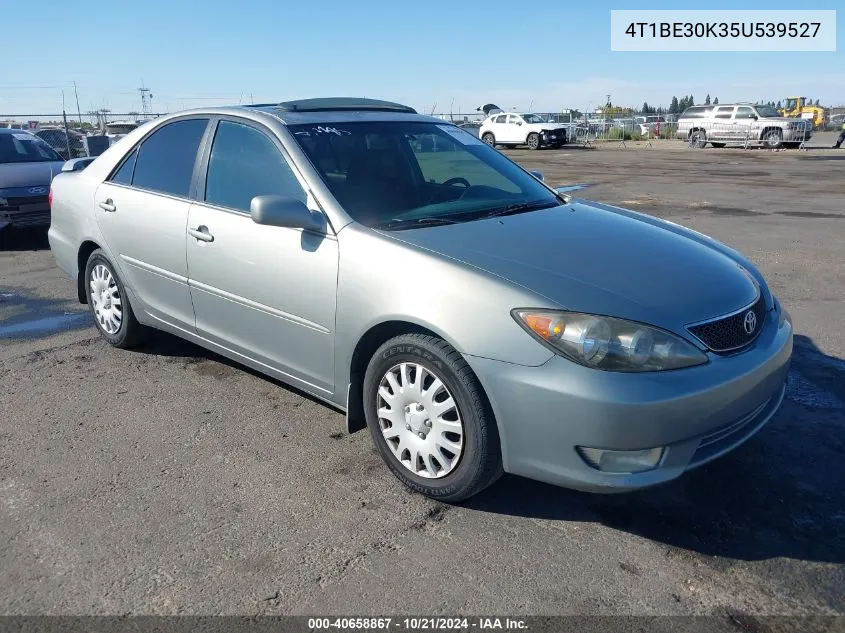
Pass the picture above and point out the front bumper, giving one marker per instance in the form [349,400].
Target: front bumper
[697,414]
[24,212]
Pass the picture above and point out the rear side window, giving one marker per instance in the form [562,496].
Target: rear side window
[123,176]
[724,113]
[165,160]
[245,163]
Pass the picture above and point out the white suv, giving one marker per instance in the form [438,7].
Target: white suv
[511,129]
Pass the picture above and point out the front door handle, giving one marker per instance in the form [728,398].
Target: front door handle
[201,233]
[108,205]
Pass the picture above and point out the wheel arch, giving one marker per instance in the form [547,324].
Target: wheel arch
[366,346]
[85,249]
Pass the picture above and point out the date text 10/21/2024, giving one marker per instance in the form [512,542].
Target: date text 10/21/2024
[417,624]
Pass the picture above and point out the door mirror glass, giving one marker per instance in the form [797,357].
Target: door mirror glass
[273,210]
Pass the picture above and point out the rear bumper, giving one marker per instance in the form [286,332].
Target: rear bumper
[695,414]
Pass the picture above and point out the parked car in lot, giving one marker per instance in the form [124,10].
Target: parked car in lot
[116,130]
[722,124]
[27,166]
[475,319]
[59,141]
[650,125]
[512,129]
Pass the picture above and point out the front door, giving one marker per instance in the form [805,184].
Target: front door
[142,212]
[261,291]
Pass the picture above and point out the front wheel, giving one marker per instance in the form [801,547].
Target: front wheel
[533,141]
[109,304]
[698,139]
[773,139]
[430,419]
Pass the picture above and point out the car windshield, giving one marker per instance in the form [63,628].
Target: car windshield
[397,175]
[767,111]
[22,147]
[533,118]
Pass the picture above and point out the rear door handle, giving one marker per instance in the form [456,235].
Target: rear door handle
[108,205]
[201,233]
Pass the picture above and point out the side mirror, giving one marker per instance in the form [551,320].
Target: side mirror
[77,164]
[755,117]
[519,122]
[538,175]
[283,211]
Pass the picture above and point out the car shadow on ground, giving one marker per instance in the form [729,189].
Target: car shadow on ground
[781,494]
[161,343]
[12,239]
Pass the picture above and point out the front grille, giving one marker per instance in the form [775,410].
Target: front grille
[729,333]
[26,211]
[15,203]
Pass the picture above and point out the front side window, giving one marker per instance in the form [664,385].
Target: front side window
[245,163]
[397,175]
[166,159]
[767,111]
[744,112]
[513,119]
[23,147]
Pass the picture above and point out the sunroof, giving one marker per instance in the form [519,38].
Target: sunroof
[322,104]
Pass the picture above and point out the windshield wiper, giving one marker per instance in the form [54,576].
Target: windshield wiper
[521,207]
[431,220]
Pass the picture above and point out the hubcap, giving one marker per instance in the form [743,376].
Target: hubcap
[488,139]
[419,420]
[532,142]
[105,299]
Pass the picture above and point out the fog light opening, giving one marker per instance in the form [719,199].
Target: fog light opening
[621,462]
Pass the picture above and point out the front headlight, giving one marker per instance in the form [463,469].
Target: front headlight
[608,343]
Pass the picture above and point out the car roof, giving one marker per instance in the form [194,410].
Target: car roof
[9,130]
[322,110]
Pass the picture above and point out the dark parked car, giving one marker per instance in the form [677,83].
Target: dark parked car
[27,167]
[55,138]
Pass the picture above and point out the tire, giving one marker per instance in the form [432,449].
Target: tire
[698,138]
[533,141]
[489,139]
[717,145]
[101,277]
[773,139]
[475,460]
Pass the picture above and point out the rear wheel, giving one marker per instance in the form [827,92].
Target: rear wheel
[430,419]
[533,141]
[109,304]
[489,139]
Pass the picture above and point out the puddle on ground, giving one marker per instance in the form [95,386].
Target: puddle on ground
[575,187]
[23,317]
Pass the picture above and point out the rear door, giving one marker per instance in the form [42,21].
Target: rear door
[142,211]
[724,126]
[265,292]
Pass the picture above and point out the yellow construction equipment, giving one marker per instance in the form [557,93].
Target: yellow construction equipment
[799,108]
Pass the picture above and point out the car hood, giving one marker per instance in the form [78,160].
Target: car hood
[539,127]
[16,175]
[589,258]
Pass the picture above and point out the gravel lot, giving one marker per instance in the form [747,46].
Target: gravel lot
[169,480]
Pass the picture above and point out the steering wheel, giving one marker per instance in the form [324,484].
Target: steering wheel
[458,180]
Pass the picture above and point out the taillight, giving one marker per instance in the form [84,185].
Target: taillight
[50,198]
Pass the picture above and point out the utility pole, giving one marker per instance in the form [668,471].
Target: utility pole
[146,98]
[78,111]
[67,134]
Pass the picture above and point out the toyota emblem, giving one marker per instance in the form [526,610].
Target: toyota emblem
[37,190]
[749,322]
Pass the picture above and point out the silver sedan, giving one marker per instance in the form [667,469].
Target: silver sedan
[397,268]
